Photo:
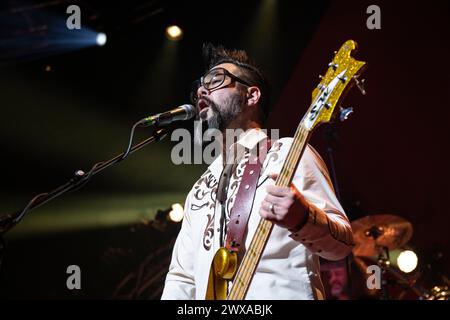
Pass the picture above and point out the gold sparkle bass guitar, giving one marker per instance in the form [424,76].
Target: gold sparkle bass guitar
[342,74]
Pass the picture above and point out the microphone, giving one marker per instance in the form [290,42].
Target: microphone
[184,112]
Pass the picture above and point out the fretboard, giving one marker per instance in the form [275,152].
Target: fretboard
[244,275]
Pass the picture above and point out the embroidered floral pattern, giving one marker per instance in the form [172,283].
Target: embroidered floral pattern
[204,196]
[234,185]
[272,155]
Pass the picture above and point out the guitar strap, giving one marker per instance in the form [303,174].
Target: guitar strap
[245,196]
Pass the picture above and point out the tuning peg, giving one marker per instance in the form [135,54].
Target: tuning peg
[345,113]
[333,65]
[343,79]
[361,85]
[320,77]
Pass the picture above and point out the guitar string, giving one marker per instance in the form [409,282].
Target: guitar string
[261,235]
[261,238]
[265,226]
[249,264]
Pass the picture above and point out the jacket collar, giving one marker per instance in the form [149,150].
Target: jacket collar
[247,139]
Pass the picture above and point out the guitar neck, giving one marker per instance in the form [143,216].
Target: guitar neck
[253,254]
[341,75]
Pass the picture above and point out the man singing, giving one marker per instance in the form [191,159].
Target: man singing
[309,222]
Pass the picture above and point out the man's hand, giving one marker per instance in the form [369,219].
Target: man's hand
[284,206]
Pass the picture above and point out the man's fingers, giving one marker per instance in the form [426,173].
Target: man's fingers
[273,176]
[268,215]
[271,199]
[277,191]
[280,202]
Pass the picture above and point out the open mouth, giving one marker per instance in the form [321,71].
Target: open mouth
[202,104]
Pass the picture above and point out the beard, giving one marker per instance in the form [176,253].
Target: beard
[217,117]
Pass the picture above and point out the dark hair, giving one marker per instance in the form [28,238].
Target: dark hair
[215,55]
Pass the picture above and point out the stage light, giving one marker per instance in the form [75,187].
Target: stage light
[407,261]
[101,39]
[177,213]
[174,33]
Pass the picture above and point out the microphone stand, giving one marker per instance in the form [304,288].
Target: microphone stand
[80,178]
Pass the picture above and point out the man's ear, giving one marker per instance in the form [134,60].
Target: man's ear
[253,96]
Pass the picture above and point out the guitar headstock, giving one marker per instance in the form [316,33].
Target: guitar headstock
[342,74]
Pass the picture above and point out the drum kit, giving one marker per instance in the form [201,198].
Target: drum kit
[375,236]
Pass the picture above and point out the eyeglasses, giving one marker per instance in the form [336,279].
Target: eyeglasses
[213,79]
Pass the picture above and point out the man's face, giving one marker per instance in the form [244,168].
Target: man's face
[338,280]
[219,106]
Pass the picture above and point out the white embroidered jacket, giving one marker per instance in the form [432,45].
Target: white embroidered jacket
[289,267]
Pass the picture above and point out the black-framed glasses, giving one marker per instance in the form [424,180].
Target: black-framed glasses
[213,79]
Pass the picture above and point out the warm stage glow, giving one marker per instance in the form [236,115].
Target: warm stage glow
[177,212]
[101,39]
[174,33]
[407,261]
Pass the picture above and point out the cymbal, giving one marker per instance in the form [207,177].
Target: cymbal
[371,233]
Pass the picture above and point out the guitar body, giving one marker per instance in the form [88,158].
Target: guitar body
[223,269]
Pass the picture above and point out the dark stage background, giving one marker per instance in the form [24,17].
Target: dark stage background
[66,108]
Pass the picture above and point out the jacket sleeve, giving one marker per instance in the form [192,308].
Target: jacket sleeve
[327,231]
[180,284]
